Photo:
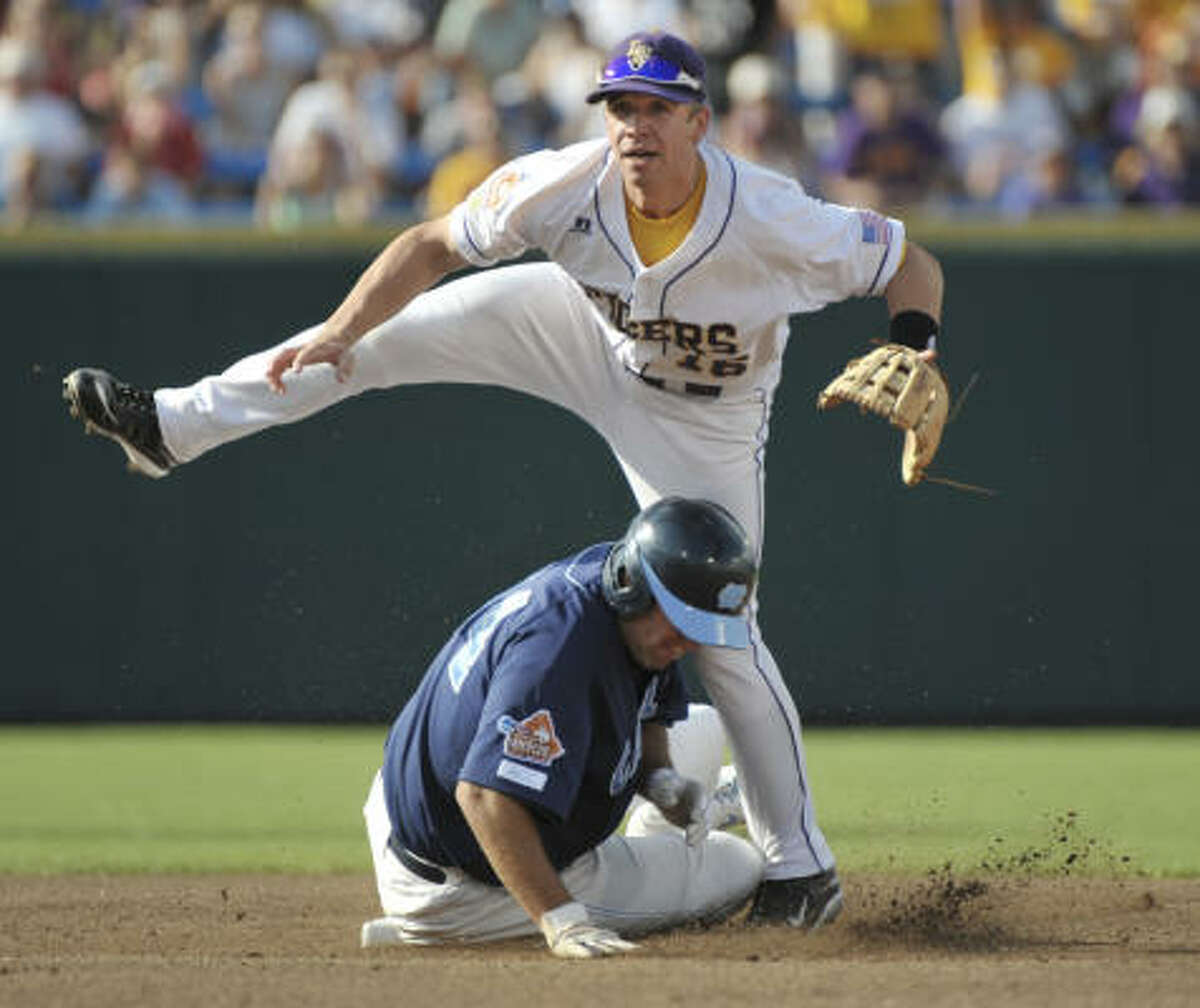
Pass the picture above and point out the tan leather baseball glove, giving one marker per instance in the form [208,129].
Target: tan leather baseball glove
[893,382]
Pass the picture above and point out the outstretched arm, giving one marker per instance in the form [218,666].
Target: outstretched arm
[915,291]
[506,832]
[412,262]
[917,285]
[508,836]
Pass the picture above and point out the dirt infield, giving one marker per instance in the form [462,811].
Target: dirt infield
[291,940]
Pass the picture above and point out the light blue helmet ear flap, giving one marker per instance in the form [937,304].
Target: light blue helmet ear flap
[624,582]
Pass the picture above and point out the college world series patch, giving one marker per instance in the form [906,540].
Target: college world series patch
[533,739]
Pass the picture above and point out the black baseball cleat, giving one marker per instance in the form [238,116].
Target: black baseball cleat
[120,412]
[809,902]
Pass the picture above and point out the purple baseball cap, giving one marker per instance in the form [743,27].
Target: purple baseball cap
[654,63]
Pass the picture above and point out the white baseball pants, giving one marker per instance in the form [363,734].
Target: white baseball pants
[632,885]
[530,328]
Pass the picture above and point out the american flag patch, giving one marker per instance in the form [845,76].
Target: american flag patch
[875,229]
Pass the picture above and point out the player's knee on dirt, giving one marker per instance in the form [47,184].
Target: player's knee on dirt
[732,868]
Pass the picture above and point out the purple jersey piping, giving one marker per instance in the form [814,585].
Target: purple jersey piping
[600,217]
[755,647]
[887,250]
[467,234]
[662,303]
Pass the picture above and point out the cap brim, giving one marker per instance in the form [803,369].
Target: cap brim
[699,625]
[611,87]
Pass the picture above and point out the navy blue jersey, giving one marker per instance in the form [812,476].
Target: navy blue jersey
[535,696]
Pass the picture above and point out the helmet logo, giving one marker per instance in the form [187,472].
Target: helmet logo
[731,597]
[638,54]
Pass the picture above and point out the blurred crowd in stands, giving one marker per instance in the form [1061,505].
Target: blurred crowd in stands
[346,111]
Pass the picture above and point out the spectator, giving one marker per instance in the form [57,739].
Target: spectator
[528,121]
[489,37]
[995,38]
[316,168]
[481,153]
[50,31]
[154,160]
[1159,62]
[161,33]
[43,142]
[831,40]
[606,22]
[295,36]
[560,69]
[111,49]
[423,88]
[1003,132]
[758,125]
[442,131]
[385,143]
[1019,29]
[247,90]
[888,154]
[397,23]
[721,29]
[1161,167]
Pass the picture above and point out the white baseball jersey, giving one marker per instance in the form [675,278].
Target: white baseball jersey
[712,318]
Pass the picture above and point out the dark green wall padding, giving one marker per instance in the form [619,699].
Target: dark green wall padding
[308,573]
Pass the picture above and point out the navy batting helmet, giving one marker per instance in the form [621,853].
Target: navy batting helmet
[695,561]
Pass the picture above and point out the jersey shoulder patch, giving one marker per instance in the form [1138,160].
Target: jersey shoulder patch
[529,174]
[496,190]
[875,228]
[522,204]
[532,739]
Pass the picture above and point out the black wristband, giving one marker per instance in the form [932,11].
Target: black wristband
[914,329]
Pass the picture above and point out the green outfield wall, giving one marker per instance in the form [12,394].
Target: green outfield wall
[308,573]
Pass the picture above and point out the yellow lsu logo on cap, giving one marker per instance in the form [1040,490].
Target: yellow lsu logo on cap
[638,54]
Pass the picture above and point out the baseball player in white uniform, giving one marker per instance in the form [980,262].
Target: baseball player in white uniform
[661,319]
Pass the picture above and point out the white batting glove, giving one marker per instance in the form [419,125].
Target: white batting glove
[570,935]
[682,800]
